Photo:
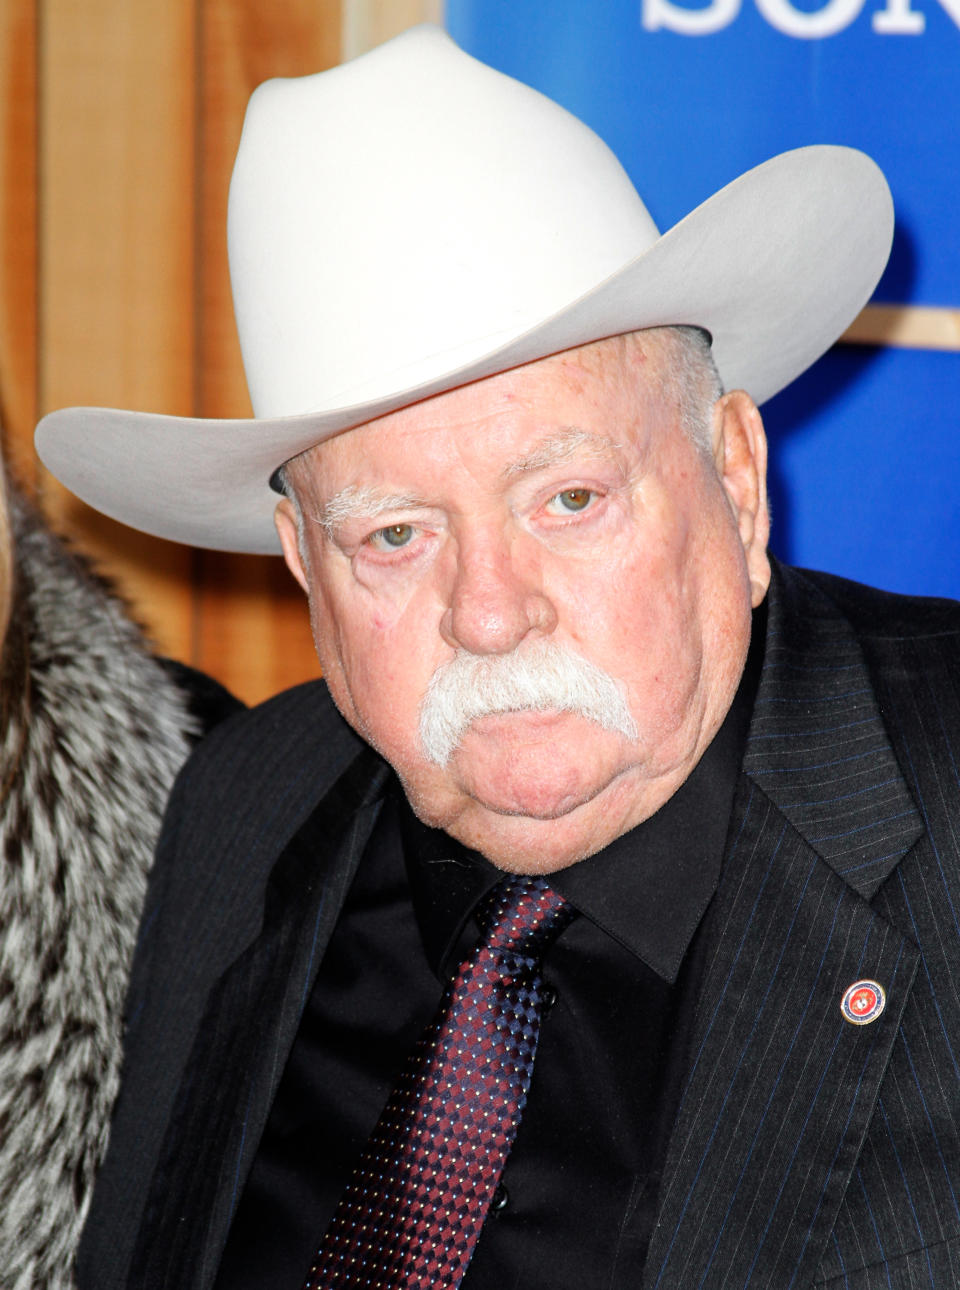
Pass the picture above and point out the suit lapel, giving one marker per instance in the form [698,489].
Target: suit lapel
[244,1039]
[818,746]
[781,1088]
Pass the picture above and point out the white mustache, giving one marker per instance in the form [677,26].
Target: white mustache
[546,676]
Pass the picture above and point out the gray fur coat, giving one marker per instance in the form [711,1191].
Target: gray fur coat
[93,732]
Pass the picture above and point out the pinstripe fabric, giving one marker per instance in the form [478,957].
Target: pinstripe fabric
[818,747]
[203,1015]
[255,1006]
[782,1088]
[806,1152]
[905,1206]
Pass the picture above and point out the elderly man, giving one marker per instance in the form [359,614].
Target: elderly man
[684,818]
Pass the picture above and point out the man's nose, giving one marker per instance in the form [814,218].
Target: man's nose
[495,602]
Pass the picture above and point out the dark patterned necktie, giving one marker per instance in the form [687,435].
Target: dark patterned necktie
[417,1200]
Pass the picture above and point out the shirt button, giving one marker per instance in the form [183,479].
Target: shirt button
[501,1199]
[548,997]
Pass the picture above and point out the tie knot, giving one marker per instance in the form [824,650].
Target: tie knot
[522,915]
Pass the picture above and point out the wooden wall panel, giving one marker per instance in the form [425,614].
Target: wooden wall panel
[906,326]
[118,127]
[251,623]
[18,240]
[370,22]
[116,254]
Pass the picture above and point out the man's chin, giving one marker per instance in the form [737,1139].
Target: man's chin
[543,776]
[533,792]
[532,822]
[536,831]
[542,802]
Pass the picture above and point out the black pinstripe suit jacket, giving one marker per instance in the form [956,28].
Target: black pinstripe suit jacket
[807,1151]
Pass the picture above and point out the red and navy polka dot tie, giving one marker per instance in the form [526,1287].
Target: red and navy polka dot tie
[413,1210]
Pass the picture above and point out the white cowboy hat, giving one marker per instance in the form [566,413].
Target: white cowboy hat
[412,221]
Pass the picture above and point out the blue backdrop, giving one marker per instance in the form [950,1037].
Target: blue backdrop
[865,447]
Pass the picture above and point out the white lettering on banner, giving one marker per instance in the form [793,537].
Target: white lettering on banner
[827,21]
[690,22]
[896,18]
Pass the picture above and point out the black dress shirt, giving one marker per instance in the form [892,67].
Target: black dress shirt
[578,1195]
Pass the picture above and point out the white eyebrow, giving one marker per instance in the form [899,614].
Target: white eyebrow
[557,447]
[362,502]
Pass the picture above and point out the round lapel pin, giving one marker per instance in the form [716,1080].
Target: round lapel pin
[863,1002]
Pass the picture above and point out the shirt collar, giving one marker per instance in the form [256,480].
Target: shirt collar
[649,888]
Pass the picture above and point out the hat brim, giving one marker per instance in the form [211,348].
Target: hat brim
[775,266]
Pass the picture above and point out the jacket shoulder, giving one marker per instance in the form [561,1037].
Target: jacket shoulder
[276,759]
[880,615]
[208,702]
[278,745]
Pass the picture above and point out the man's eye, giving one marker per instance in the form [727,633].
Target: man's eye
[570,501]
[392,537]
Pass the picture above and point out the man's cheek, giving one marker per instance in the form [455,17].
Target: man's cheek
[386,688]
[389,599]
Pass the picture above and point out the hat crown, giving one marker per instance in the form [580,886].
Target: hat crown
[407,212]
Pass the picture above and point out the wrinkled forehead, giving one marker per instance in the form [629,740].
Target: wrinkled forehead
[604,380]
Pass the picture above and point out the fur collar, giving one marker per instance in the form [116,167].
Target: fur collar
[93,732]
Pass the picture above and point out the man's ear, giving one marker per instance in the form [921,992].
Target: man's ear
[288,530]
[740,454]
